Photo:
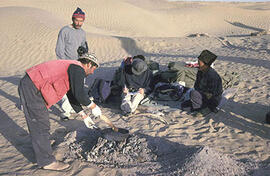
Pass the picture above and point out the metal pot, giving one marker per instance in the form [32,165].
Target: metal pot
[112,135]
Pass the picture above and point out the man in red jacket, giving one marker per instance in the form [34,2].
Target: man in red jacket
[44,85]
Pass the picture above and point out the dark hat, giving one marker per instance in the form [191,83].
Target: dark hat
[207,57]
[138,66]
[78,13]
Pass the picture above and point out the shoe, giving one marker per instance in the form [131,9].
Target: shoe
[215,110]
[186,106]
[56,166]
[52,141]
[126,107]
[187,109]
[65,116]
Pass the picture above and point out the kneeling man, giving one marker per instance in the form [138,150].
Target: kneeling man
[208,85]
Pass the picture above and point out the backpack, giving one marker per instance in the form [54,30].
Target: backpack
[178,73]
[100,90]
[168,91]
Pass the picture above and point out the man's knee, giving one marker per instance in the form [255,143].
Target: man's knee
[196,99]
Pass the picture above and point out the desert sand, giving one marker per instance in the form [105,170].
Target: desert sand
[163,31]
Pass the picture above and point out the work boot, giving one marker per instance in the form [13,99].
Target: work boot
[56,166]
[126,103]
[65,116]
[186,106]
[214,110]
[126,107]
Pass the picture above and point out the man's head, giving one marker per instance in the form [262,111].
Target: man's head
[89,62]
[205,59]
[138,66]
[78,18]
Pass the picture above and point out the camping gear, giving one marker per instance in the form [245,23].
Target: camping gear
[168,91]
[82,50]
[100,90]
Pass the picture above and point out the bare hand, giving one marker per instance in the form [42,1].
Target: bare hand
[125,90]
[114,128]
[141,91]
[208,95]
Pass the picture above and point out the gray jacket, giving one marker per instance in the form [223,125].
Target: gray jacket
[69,40]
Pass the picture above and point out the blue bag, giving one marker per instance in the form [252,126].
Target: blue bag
[100,90]
[168,91]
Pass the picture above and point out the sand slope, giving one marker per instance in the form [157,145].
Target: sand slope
[162,31]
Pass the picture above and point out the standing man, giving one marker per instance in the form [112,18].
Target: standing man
[208,85]
[70,39]
[44,85]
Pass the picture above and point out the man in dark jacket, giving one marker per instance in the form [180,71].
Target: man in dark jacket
[136,80]
[44,85]
[208,85]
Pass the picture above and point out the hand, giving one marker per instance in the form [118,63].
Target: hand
[141,91]
[114,128]
[208,95]
[89,123]
[125,90]
[96,111]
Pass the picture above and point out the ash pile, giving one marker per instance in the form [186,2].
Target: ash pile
[140,154]
[95,147]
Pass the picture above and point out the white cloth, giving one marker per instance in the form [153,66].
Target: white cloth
[96,111]
[66,107]
[89,123]
[130,102]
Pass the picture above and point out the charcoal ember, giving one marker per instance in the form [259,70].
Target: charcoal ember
[128,152]
[146,155]
[99,150]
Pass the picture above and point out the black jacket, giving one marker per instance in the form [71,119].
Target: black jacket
[210,83]
[134,82]
[77,95]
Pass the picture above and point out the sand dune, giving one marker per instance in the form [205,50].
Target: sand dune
[163,31]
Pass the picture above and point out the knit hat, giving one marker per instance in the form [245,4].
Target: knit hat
[90,57]
[138,66]
[207,57]
[78,13]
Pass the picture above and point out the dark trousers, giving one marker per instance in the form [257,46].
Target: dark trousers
[37,118]
[200,101]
